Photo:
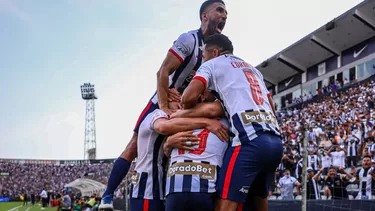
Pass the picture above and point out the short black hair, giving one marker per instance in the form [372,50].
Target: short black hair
[207,4]
[367,156]
[220,41]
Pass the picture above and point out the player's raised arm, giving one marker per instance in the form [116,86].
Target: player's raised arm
[197,86]
[209,110]
[181,49]
[172,126]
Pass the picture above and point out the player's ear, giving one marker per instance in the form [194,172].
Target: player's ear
[216,53]
[204,16]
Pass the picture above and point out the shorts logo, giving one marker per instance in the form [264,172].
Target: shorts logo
[258,116]
[244,189]
[135,178]
[204,170]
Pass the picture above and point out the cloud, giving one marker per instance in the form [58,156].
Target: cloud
[10,7]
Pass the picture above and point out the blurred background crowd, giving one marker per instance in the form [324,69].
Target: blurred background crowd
[339,129]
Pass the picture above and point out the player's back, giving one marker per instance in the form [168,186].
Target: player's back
[196,171]
[244,95]
[148,173]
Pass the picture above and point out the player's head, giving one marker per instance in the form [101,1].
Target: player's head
[217,45]
[366,161]
[213,16]
[207,96]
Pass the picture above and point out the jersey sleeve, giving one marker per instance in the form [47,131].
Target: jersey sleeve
[183,46]
[158,114]
[205,74]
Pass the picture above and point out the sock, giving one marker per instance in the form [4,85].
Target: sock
[119,171]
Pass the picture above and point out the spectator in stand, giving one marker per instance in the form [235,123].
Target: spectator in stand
[286,186]
[338,156]
[365,177]
[335,184]
[313,161]
[325,158]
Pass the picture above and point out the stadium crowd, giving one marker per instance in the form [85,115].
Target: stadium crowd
[32,178]
[340,132]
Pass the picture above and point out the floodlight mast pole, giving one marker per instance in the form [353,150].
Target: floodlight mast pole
[88,94]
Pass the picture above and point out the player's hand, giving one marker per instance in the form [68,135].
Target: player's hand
[177,114]
[167,110]
[218,129]
[174,95]
[183,140]
[341,169]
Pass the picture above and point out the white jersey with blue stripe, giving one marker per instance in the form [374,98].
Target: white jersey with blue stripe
[187,48]
[244,95]
[197,170]
[147,180]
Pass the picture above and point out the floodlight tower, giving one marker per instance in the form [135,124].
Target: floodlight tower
[88,94]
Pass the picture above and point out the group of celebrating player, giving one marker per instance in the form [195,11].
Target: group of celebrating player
[207,99]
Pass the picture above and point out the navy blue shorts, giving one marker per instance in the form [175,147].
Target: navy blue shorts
[148,109]
[250,168]
[187,201]
[146,205]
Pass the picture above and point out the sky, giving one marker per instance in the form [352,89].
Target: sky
[50,48]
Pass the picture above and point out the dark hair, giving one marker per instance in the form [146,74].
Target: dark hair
[367,156]
[220,41]
[207,4]
[332,167]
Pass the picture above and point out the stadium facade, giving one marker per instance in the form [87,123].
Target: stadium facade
[342,49]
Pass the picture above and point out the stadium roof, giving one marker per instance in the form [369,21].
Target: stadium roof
[345,31]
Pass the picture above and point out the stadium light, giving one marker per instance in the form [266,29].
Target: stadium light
[88,94]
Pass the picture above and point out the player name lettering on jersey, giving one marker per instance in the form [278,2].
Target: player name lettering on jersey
[205,171]
[258,116]
[240,64]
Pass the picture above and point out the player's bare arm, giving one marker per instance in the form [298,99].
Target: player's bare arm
[192,93]
[169,65]
[172,126]
[208,110]
[182,140]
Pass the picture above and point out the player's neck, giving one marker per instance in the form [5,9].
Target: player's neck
[204,30]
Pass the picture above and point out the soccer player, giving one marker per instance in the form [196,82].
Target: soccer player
[176,71]
[147,181]
[256,147]
[192,175]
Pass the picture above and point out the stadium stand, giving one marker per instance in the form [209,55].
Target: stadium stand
[31,175]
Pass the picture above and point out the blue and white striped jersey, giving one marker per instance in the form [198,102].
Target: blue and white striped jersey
[197,171]
[147,180]
[244,95]
[187,48]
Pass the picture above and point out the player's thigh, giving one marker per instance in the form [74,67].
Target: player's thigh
[191,201]
[242,164]
[202,201]
[237,173]
[146,205]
